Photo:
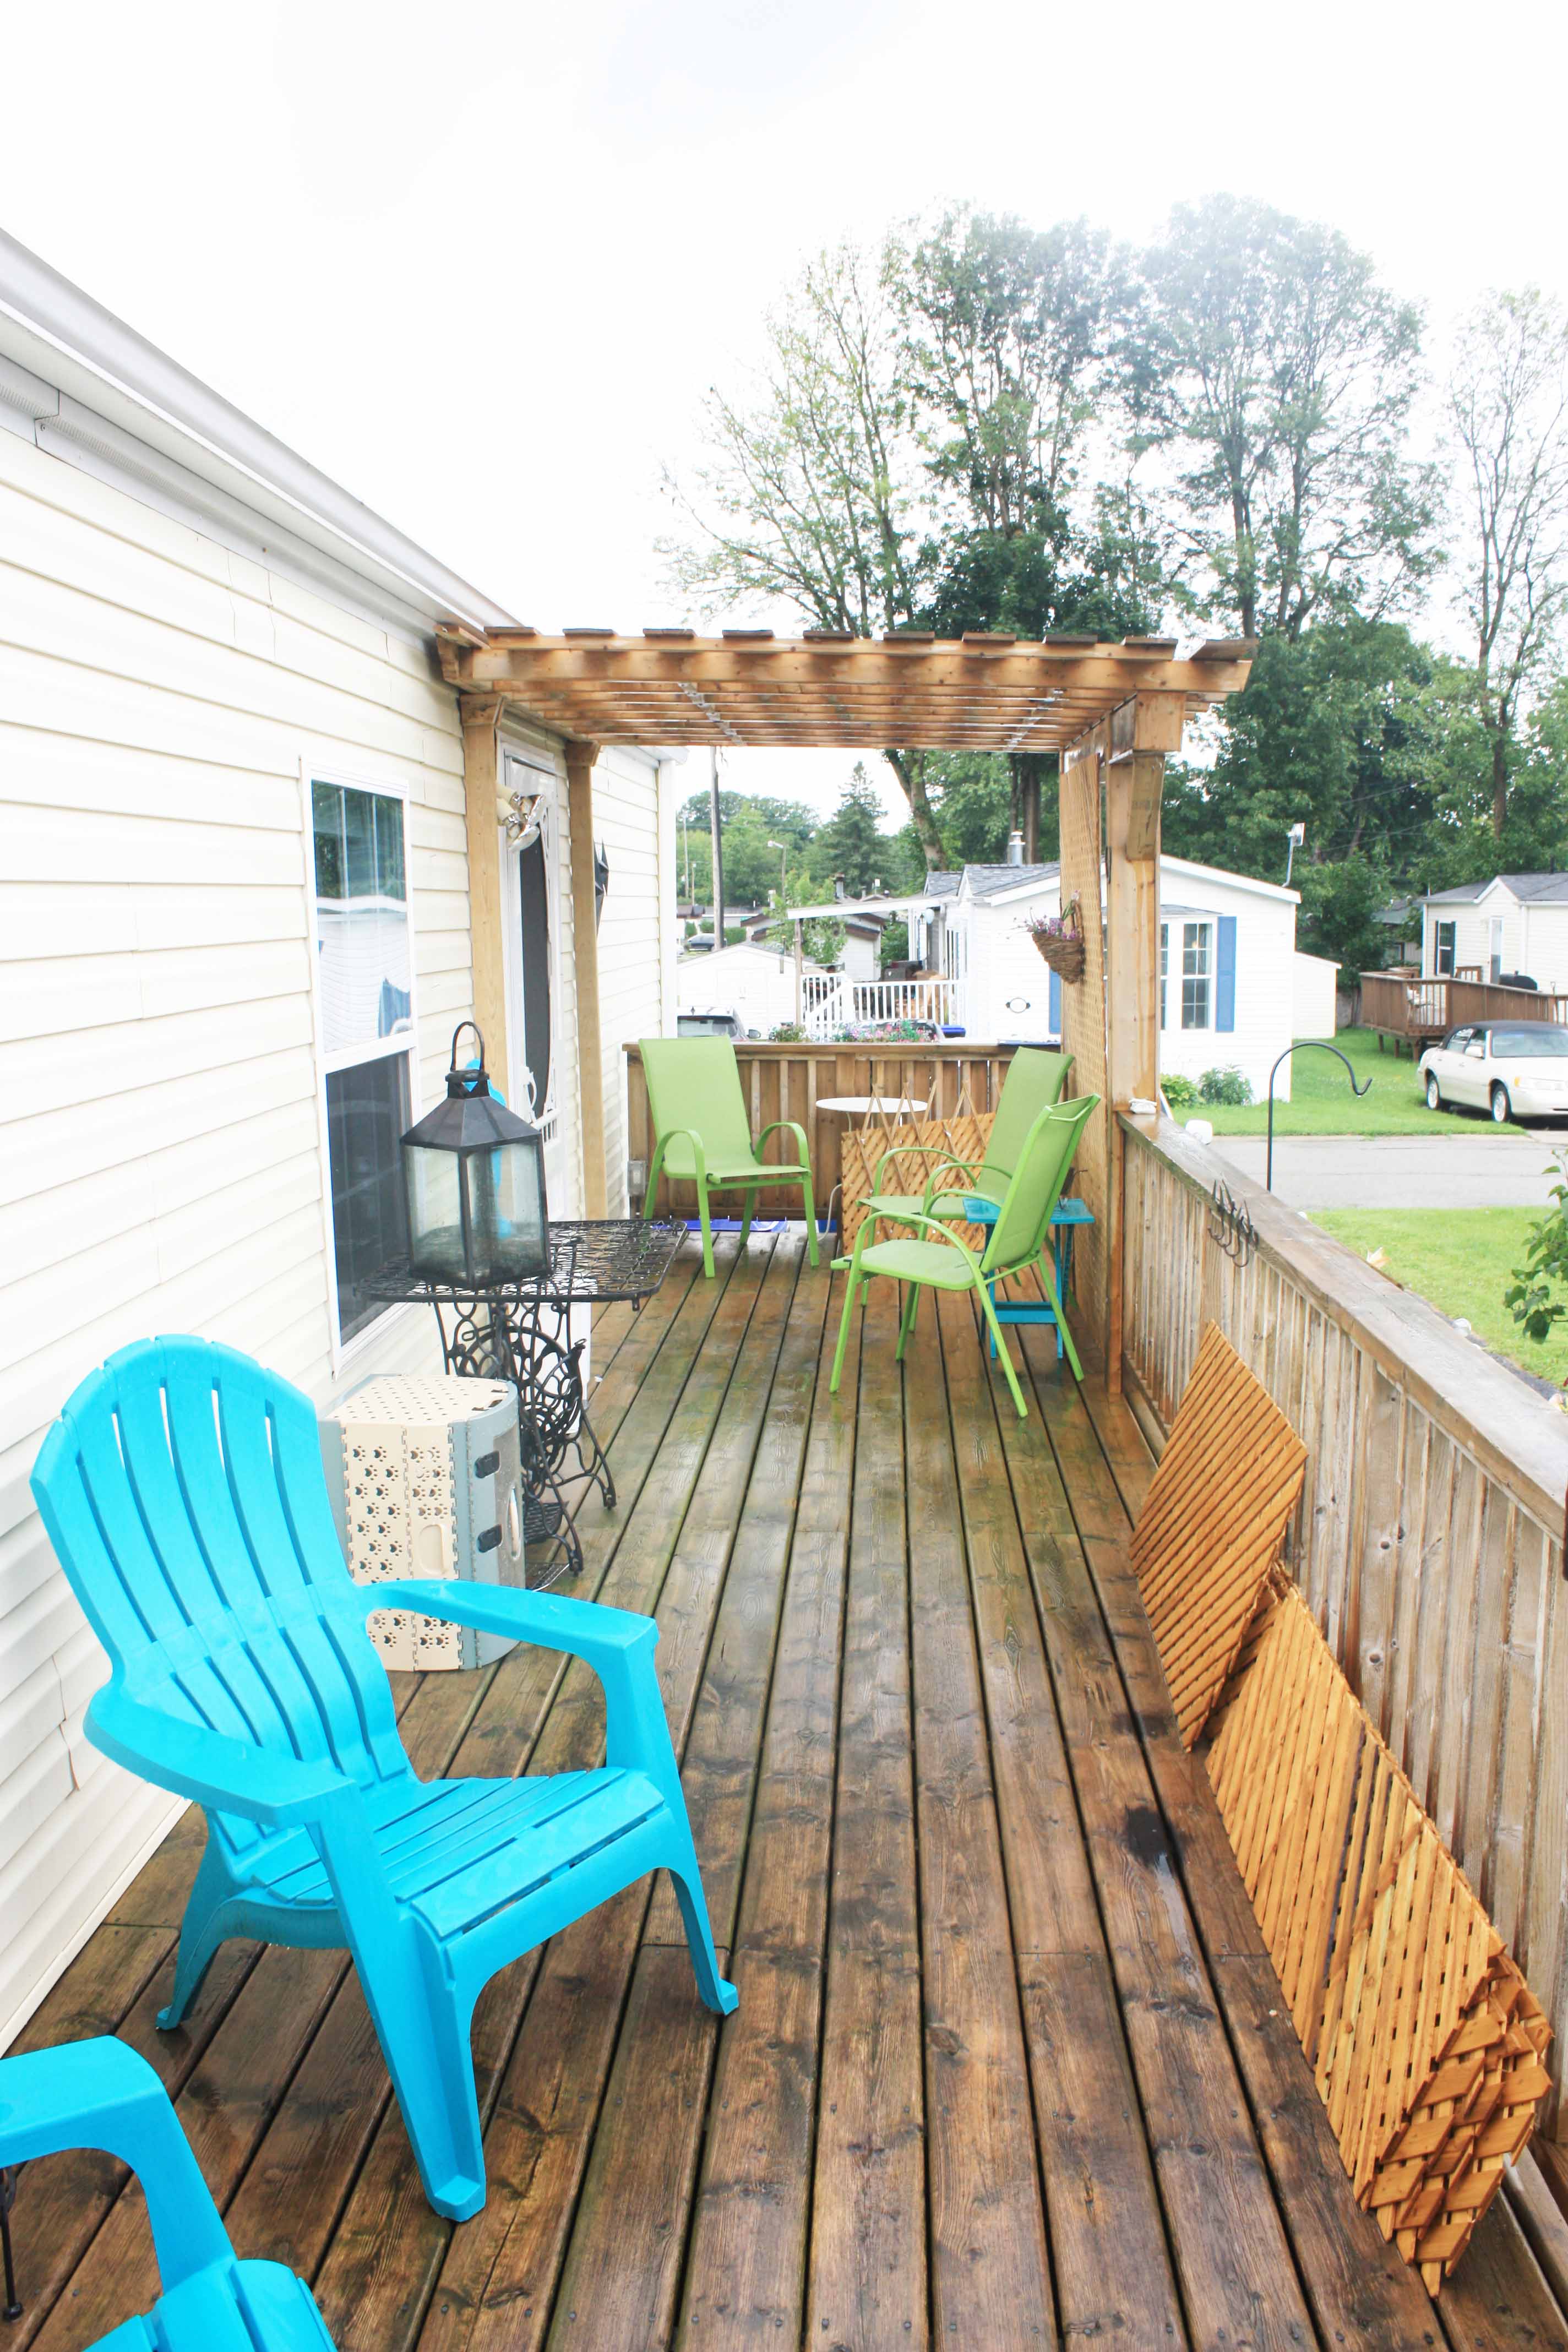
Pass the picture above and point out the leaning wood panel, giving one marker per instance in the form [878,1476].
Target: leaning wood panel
[911,1169]
[1211,1526]
[1429,1540]
[1426,2041]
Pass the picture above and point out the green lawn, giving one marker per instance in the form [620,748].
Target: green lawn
[1321,1102]
[1463,1260]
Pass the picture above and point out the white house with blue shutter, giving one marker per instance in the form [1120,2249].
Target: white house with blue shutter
[1233,992]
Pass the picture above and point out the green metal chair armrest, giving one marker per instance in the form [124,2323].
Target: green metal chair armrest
[210,1768]
[914,1217]
[795,1129]
[933,1185]
[662,1143]
[913,1152]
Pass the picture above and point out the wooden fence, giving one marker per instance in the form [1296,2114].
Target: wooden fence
[1428,1542]
[790,1082]
[1421,1010]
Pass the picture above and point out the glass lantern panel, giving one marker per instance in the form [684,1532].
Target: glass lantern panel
[508,1216]
[435,1215]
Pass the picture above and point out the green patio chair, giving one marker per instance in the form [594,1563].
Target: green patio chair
[1019,1240]
[1034,1083]
[701,1132]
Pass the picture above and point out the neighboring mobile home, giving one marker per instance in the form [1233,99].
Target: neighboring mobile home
[1229,974]
[1514,923]
[238,827]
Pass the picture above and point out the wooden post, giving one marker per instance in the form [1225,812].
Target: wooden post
[1143,731]
[580,758]
[480,715]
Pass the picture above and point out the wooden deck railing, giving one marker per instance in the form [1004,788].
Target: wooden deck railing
[1429,1540]
[790,1081]
[1425,1009]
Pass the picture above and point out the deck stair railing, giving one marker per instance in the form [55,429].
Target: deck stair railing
[831,1001]
[1421,1010]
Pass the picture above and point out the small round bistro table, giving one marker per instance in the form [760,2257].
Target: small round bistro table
[521,1332]
[864,1105]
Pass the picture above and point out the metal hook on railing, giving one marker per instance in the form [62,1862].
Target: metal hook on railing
[1321,1045]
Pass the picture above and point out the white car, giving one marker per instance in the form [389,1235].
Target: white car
[1514,1069]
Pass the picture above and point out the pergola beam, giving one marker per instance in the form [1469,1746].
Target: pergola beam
[977,694]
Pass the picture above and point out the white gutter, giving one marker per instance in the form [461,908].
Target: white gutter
[65,338]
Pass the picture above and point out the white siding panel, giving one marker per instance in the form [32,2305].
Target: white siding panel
[160,1145]
[637,914]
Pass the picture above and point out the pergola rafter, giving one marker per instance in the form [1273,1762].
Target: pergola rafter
[751,689]
[1113,711]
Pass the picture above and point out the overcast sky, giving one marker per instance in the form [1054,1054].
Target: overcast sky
[480,263]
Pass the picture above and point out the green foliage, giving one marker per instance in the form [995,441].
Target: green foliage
[1226,1085]
[1264,357]
[1531,1295]
[822,938]
[1179,1091]
[786,1032]
[852,843]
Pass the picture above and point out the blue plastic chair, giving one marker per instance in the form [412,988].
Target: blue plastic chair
[183,1489]
[101,2094]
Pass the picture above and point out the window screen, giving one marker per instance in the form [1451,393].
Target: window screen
[533,899]
[364,958]
[1195,964]
[367,1113]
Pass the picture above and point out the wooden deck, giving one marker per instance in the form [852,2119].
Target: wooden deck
[1010,2068]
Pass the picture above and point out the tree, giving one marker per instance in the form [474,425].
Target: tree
[911,453]
[1266,363]
[852,843]
[1508,399]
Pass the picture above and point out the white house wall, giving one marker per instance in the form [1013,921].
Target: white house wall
[1472,934]
[1544,951]
[1008,988]
[161,1159]
[636,929]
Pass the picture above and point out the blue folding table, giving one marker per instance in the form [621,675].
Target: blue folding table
[1067,1216]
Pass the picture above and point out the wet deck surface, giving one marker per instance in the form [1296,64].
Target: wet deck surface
[1010,2066]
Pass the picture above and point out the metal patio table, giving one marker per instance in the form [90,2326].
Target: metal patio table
[521,1332]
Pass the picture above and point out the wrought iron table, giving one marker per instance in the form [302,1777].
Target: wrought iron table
[521,1332]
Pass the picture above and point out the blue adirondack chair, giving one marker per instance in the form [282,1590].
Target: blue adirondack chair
[184,1492]
[101,2094]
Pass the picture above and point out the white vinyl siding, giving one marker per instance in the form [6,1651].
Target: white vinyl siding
[162,701]
[636,916]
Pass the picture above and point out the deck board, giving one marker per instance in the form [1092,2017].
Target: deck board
[1010,2067]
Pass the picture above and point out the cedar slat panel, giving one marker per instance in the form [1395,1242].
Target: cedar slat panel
[1225,1527]
[1434,1568]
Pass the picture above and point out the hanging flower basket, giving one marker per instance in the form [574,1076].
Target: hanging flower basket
[1060,939]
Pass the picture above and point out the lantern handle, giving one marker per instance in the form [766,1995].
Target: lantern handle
[479,1035]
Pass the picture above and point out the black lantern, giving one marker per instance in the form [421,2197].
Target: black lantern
[474,1186]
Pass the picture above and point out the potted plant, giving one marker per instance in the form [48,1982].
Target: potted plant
[1060,939]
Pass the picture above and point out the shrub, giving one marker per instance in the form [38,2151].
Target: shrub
[1179,1092]
[1529,1295]
[1226,1085]
[786,1032]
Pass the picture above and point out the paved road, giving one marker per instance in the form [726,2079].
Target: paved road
[1401,1172]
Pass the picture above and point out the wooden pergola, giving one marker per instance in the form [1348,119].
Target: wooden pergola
[1112,712]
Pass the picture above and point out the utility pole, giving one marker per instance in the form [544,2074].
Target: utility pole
[717,830]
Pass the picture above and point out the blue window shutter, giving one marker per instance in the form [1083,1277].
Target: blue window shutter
[1056,1006]
[1225,974]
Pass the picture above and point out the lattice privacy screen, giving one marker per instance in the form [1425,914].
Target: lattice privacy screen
[1424,2041]
[1083,1037]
